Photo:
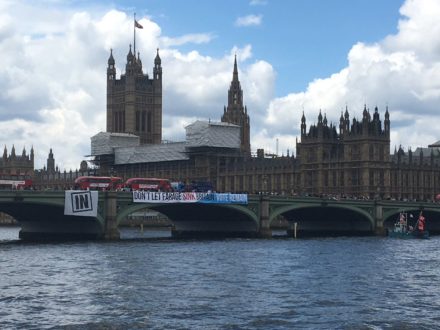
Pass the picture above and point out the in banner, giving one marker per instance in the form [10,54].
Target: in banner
[82,203]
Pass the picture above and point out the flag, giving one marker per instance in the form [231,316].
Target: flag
[136,24]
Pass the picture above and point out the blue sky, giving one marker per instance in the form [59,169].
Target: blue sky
[302,39]
[293,56]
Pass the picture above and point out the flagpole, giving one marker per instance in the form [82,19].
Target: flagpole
[134,35]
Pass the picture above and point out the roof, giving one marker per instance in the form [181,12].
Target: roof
[212,134]
[151,153]
[104,143]
[127,148]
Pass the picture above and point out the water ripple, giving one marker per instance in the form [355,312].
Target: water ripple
[337,283]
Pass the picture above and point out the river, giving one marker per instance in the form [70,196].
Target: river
[282,283]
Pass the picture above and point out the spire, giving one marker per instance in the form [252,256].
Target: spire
[236,113]
[111,60]
[319,117]
[303,125]
[111,70]
[130,54]
[235,73]
[157,59]
[387,122]
[157,71]
[5,153]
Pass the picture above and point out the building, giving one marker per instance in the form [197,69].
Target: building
[236,113]
[353,162]
[15,165]
[134,102]
[415,175]
[351,159]
[50,177]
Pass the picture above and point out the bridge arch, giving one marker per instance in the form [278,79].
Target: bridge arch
[431,213]
[41,218]
[201,218]
[324,218]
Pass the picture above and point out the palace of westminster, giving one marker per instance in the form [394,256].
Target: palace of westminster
[352,160]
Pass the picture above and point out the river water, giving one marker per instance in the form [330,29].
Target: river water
[326,283]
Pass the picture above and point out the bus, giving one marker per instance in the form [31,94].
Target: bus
[200,186]
[148,184]
[98,183]
[15,182]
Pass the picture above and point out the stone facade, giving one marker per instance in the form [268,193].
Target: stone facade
[14,164]
[134,102]
[236,112]
[352,160]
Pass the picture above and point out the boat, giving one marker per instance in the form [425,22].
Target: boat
[402,228]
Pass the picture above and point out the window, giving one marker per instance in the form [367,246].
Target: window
[138,115]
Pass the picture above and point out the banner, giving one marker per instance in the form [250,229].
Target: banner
[188,197]
[82,203]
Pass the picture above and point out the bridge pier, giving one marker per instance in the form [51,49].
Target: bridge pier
[379,229]
[264,230]
[111,231]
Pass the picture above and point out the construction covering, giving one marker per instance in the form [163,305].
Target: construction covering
[104,143]
[212,134]
[127,149]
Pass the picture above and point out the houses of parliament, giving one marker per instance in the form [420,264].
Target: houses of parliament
[352,159]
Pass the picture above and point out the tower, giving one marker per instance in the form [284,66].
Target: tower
[134,102]
[51,163]
[236,113]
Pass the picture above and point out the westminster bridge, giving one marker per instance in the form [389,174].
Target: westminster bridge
[40,215]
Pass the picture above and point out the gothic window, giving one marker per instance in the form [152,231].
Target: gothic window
[138,115]
[143,121]
[149,122]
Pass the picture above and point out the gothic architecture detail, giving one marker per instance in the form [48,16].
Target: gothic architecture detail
[134,102]
[355,161]
[348,159]
[17,164]
[236,113]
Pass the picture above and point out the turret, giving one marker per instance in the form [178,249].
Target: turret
[303,125]
[131,62]
[387,122]
[111,70]
[157,71]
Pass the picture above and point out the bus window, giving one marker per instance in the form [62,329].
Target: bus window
[148,184]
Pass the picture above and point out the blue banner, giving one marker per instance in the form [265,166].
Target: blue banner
[188,197]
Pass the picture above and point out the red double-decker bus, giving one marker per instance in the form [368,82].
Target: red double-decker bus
[15,182]
[148,184]
[98,183]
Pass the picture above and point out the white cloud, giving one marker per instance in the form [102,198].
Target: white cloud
[401,71]
[258,3]
[52,80]
[196,38]
[249,20]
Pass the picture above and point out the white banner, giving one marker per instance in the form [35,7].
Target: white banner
[82,203]
[188,197]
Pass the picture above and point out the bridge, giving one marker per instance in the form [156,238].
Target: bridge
[40,215]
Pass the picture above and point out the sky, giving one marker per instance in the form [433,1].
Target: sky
[294,57]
